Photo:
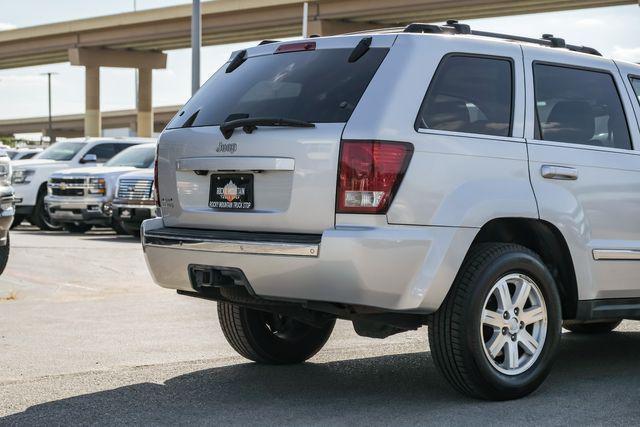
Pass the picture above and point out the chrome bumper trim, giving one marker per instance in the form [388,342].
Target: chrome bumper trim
[616,254]
[159,240]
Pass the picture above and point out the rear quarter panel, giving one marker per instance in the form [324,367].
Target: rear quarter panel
[454,179]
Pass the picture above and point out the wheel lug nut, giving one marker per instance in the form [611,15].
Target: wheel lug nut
[514,337]
[506,315]
[505,330]
[516,311]
[521,325]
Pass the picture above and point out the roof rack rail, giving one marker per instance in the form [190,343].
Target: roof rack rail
[454,27]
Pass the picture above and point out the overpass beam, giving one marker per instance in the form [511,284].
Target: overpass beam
[145,111]
[331,27]
[92,118]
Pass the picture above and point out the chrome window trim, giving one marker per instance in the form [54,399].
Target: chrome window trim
[583,147]
[471,135]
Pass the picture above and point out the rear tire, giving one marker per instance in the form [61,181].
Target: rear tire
[497,332]
[41,218]
[578,327]
[270,338]
[77,228]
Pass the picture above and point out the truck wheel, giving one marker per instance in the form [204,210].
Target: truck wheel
[4,254]
[270,338]
[77,228]
[578,327]
[119,228]
[41,218]
[497,332]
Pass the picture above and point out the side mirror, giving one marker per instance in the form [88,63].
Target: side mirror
[89,158]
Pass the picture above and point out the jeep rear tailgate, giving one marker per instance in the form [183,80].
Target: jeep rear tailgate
[273,179]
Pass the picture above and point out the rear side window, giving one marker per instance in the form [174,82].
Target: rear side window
[635,82]
[579,106]
[319,86]
[470,94]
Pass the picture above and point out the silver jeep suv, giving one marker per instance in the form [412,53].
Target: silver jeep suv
[485,185]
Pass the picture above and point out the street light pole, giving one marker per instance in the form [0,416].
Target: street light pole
[52,138]
[305,20]
[196,41]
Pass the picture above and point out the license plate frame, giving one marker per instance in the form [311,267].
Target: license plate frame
[231,192]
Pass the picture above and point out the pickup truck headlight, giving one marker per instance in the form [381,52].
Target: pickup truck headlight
[5,173]
[21,176]
[97,186]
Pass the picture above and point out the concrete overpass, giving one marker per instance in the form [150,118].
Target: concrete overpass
[72,125]
[137,39]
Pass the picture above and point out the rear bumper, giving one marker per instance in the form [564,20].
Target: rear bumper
[394,268]
[95,211]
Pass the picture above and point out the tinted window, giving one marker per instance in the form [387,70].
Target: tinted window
[469,94]
[62,151]
[636,87]
[106,151]
[319,86]
[140,156]
[579,107]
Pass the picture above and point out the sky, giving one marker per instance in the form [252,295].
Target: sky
[614,31]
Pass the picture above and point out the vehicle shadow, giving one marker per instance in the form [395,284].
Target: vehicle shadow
[595,380]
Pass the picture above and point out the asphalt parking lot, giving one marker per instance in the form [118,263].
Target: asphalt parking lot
[87,338]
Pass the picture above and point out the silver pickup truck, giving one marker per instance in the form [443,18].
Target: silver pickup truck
[485,185]
[134,200]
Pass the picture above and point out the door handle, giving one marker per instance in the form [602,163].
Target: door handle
[559,172]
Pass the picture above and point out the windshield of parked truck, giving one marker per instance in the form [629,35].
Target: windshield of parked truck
[138,156]
[62,151]
[317,86]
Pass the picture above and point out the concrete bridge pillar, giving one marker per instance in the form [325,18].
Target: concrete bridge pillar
[92,116]
[144,107]
[94,58]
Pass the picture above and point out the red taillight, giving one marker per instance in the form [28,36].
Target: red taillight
[155,177]
[296,47]
[369,174]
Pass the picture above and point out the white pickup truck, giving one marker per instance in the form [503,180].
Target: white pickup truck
[30,177]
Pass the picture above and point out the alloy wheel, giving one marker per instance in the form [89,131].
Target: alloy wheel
[514,324]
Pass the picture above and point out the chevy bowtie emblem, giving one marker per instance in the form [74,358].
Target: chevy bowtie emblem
[63,186]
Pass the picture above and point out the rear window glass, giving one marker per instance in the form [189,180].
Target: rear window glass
[319,86]
[635,82]
[469,94]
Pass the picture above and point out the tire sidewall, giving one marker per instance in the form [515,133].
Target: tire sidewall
[281,350]
[500,385]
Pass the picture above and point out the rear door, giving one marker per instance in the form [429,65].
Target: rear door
[280,179]
[585,166]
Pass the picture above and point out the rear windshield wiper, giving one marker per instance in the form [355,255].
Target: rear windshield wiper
[251,124]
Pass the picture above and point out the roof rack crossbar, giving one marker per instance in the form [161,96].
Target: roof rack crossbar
[453,27]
